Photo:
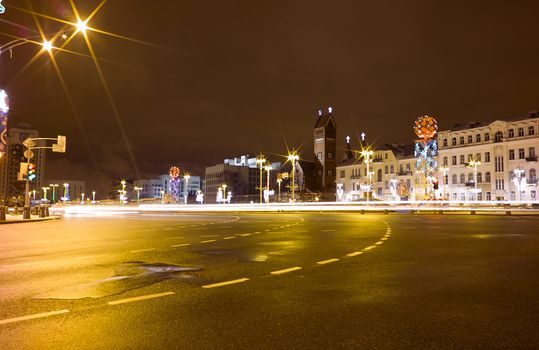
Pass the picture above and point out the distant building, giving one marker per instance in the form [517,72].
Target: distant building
[151,188]
[10,163]
[241,177]
[502,147]
[325,132]
[392,174]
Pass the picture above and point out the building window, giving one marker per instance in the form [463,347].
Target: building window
[319,155]
[445,161]
[445,143]
[342,173]
[461,140]
[511,133]
[454,196]
[454,141]
[498,164]
[379,175]
[487,176]
[499,184]
[462,159]
[330,172]
[478,138]
[463,197]
[489,196]
[408,167]
[479,178]
[470,138]
[462,178]
[386,185]
[520,131]
[487,157]
[531,152]
[454,160]
[498,136]
[487,136]
[454,179]
[478,157]
[511,154]
[521,153]
[532,176]
[470,157]
[386,169]
[391,169]
[531,130]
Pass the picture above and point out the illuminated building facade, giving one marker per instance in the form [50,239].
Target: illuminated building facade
[501,147]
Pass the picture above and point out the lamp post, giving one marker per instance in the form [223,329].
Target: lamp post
[123,197]
[444,174]
[137,189]
[162,197]
[293,157]
[82,198]
[45,189]
[279,180]
[260,160]
[93,197]
[224,193]
[518,177]
[268,169]
[186,178]
[474,164]
[53,186]
[367,154]
[66,192]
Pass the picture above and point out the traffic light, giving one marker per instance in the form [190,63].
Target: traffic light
[31,175]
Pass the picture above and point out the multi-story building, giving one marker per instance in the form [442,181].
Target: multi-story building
[501,147]
[10,163]
[151,188]
[390,175]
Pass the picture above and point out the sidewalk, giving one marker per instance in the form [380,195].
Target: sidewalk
[14,219]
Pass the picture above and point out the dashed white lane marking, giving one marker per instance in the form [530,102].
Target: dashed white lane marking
[180,245]
[245,234]
[142,250]
[354,253]
[208,236]
[143,297]
[328,261]
[369,247]
[34,316]
[379,242]
[226,283]
[208,241]
[225,227]
[229,237]
[383,238]
[257,232]
[278,272]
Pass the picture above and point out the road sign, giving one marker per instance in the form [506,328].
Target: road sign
[28,154]
[61,145]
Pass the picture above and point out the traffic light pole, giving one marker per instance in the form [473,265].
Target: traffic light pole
[29,142]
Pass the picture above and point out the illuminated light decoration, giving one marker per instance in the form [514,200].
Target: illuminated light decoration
[4,109]
[347,139]
[330,109]
[47,45]
[174,173]
[426,149]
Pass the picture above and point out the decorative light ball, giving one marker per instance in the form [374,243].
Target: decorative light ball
[174,172]
[426,127]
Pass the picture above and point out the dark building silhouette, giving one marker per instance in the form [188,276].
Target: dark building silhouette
[325,132]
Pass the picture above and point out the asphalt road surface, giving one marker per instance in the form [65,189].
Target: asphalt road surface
[271,281]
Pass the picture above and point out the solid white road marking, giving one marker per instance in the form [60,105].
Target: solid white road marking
[144,297]
[328,261]
[34,316]
[142,250]
[354,253]
[278,272]
[226,283]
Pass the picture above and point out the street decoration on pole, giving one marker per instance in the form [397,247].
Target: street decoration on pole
[4,108]
[426,149]
[174,173]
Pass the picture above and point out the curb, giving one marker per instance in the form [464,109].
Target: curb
[18,221]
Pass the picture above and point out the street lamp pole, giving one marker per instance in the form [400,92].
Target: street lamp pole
[293,157]
[367,160]
[268,169]
[279,180]
[444,174]
[45,189]
[474,163]
[186,177]
[82,198]
[260,160]
[53,191]
[224,193]
[137,189]
[93,197]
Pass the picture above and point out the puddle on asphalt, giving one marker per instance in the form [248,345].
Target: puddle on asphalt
[128,276]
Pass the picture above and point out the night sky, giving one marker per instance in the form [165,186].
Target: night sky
[226,78]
